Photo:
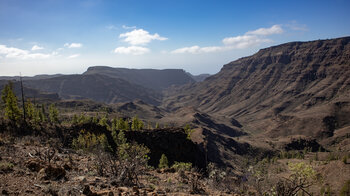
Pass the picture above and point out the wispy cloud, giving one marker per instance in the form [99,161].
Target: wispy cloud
[244,41]
[73,45]
[197,49]
[36,47]
[111,27]
[128,27]
[11,52]
[140,37]
[249,39]
[134,50]
[275,29]
[295,26]
[73,56]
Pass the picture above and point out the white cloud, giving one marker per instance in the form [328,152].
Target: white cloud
[197,49]
[127,27]
[140,37]
[73,45]
[36,47]
[275,29]
[134,50]
[249,39]
[244,41]
[73,56]
[11,52]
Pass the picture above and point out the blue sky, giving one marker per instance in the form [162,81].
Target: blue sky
[58,36]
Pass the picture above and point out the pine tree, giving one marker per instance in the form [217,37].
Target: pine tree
[30,110]
[12,111]
[42,114]
[135,123]
[163,162]
[53,114]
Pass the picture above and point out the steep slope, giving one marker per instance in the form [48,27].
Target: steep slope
[198,78]
[294,88]
[157,80]
[29,92]
[97,87]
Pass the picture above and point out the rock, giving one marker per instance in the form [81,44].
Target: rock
[81,179]
[51,173]
[136,191]
[122,189]
[105,193]
[67,167]
[88,192]
[35,165]
[4,192]
[169,170]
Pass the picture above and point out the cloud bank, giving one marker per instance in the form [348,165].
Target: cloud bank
[11,52]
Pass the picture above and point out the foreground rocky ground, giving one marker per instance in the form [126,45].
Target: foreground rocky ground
[33,166]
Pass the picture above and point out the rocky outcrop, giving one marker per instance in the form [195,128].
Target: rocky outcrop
[171,142]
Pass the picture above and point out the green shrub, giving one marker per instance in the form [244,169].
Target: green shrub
[163,162]
[6,166]
[345,159]
[181,166]
[345,190]
[188,131]
[89,141]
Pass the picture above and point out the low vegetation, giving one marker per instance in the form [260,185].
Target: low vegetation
[90,153]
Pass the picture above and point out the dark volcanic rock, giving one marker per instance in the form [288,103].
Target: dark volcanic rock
[301,144]
[171,142]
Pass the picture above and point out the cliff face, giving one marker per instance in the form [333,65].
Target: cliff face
[279,89]
[97,87]
[154,79]
[172,142]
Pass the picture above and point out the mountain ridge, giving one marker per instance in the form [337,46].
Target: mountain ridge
[275,83]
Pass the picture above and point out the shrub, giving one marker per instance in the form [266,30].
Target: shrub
[163,162]
[345,159]
[345,190]
[89,141]
[181,166]
[188,131]
[130,161]
[6,166]
[302,177]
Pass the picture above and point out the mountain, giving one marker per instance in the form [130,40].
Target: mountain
[157,80]
[290,89]
[97,87]
[36,77]
[109,85]
[198,78]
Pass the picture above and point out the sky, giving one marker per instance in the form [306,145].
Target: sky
[199,36]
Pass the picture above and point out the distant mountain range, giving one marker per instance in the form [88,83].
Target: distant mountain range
[110,85]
